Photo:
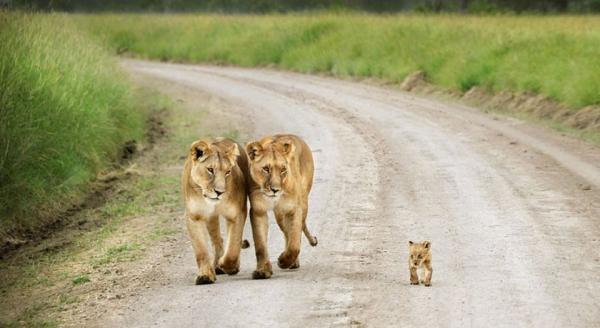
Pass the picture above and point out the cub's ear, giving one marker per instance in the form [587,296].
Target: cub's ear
[199,150]
[410,242]
[427,244]
[254,150]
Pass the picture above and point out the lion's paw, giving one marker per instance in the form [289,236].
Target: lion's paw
[296,264]
[261,274]
[228,266]
[204,280]
[287,259]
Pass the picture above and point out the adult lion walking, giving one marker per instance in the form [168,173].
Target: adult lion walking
[214,185]
[281,176]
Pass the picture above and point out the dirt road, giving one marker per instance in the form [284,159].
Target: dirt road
[511,210]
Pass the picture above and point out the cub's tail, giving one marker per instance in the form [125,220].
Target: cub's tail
[312,240]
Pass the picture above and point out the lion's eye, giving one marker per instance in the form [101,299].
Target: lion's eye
[266,169]
[228,172]
[283,170]
[210,170]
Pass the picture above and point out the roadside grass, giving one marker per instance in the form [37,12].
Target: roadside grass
[556,56]
[120,253]
[66,110]
[589,136]
[63,267]
[29,318]
[106,250]
[62,276]
[81,279]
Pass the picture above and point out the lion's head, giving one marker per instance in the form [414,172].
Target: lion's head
[419,252]
[269,165]
[212,162]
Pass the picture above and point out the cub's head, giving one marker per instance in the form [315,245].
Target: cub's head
[269,165]
[418,252]
[212,162]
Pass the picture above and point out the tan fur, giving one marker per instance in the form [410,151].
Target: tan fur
[210,195]
[281,171]
[420,257]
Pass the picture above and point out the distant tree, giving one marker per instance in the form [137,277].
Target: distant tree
[290,5]
[464,5]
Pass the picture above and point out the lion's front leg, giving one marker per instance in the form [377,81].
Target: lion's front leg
[293,225]
[197,229]
[214,231]
[260,230]
[230,262]
[414,277]
[428,272]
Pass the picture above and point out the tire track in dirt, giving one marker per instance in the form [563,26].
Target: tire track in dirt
[522,209]
[510,229]
[544,238]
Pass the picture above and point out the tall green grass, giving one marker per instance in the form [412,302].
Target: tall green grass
[65,111]
[557,56]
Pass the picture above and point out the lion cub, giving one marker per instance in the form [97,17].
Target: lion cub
[420,257]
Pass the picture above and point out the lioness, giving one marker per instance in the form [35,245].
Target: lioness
[420,257]
[281,176]
[214,185]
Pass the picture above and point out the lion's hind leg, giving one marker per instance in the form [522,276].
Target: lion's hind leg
[293,226]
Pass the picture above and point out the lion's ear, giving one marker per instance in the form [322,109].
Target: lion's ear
[232,150]
[427,244]
[254,150]
[286,146]
[410,242]
[199,150]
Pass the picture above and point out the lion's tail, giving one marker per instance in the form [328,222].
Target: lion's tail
[311,239]
[245,243]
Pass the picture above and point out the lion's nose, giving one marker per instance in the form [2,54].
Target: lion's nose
[275,190]
[219,193]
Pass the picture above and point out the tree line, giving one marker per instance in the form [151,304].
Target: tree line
[264,6]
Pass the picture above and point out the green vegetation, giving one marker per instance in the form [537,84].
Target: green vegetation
[122,253]
[29,318]
[81,279]
[45,282]
[66,110]
[555,56]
